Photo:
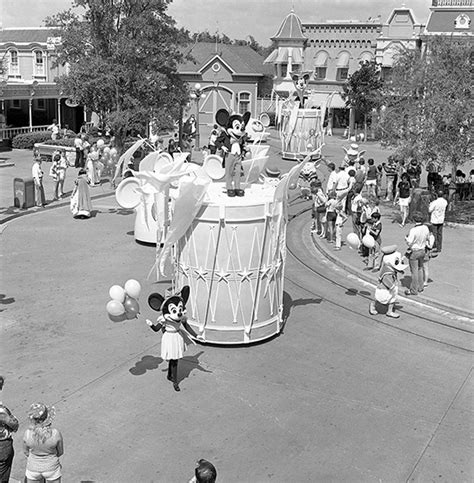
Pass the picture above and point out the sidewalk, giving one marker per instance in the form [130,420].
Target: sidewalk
[21,161]
[451,284]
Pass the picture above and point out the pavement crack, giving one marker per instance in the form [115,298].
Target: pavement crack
[440,422]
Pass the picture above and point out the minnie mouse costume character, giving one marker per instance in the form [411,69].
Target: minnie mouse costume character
[231,141]
[172,322]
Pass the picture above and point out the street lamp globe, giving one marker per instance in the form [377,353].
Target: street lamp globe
[197,86]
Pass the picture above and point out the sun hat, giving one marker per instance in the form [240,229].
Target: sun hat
[353,150]
[41,415]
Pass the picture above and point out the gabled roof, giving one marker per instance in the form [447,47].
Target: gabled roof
[240,59]
[290,29]
[25,35]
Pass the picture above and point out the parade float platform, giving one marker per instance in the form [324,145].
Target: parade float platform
[230,257]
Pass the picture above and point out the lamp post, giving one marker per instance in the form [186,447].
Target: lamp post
[196,94]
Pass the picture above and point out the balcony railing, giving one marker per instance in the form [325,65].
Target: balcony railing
[453,3]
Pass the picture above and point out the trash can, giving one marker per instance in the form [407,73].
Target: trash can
[23,193]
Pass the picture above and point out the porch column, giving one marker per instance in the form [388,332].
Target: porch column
[30,113]
[59,111]
[85,115]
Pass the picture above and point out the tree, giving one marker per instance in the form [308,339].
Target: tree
[428,109]
[362,90]
[122,57]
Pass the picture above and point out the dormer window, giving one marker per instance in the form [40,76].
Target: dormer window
[38,64]
[13,64]
[462,22]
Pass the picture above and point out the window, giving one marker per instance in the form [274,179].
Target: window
[244,102]
[284,69]
[38,67]
[13,64]
[320,73]
[320,64]
[16,104]
[342,73]
[39,104]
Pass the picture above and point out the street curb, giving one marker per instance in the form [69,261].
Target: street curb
[34,210]
[422,300]
[459,225]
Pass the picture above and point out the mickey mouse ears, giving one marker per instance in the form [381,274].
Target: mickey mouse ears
[222,116]
[155,301]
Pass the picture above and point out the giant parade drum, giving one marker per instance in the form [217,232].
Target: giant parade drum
[232,257]
[299,128]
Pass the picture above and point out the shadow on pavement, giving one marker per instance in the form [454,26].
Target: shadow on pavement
[146,363]
[188,364]
[289,303]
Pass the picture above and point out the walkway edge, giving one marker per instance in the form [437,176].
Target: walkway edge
[423,300]
[30,211]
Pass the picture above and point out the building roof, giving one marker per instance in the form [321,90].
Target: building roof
[25,35]
[443,21]
[240,58]
[290,29]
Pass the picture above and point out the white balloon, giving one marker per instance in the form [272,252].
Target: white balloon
[368,241]
[117,293]
[115,308]
[353,240]
[100,143]
[133,288]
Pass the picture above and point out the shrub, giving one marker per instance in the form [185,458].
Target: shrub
[28,140]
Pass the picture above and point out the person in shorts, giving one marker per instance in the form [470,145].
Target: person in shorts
[42,445]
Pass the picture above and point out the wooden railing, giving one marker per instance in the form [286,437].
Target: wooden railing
[11,132]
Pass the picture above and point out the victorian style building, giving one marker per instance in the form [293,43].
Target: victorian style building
[29,96]
[330,51]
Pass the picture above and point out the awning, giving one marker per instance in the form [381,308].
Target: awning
[343,60]
[321,59]
[296,55]
[331,100]
[271,58]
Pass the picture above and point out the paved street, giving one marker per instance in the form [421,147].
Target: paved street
[339,396]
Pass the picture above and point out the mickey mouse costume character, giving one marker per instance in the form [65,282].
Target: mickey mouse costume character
[300,81]
[172,322]
[231,141]
[386,292]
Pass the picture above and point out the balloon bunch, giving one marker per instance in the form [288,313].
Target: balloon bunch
[124,303]
[354,242]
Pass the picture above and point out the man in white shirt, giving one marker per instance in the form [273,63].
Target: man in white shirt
[37,174]
[437,209]
[417,240]
[331,185]
[54,128]
[342,186]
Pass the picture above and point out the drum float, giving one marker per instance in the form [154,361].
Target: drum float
[231,258]
[298,129]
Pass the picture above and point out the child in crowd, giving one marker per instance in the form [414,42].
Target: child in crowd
[428,255]
[374,229]
[331,216]
[341,218]
[319,207]
[371,178]
[357,204]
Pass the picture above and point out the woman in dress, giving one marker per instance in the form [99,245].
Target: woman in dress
[81,205]
[61,167]
[42,445]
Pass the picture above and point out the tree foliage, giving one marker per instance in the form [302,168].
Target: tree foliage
[123,57]
[428,109]
[362,89]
